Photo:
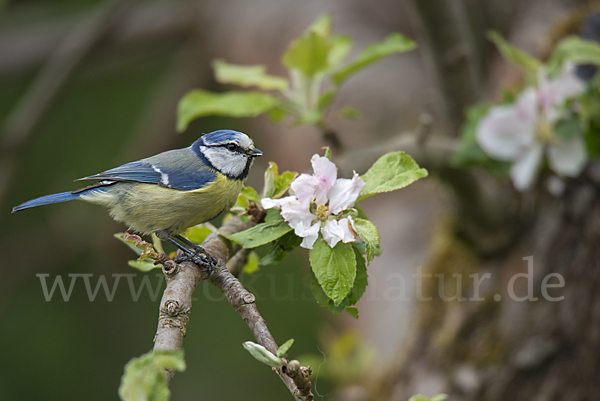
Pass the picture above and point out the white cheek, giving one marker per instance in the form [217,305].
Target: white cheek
[225,161]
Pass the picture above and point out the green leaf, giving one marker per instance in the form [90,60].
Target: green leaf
[321,26]
[367,231]
[334,268]
[419,397]
[200,103]
[277,114]
[251,194]
[592,140]
[262,354]
[310,117]
[275,184]
[361,247]
[271,174]
[360,213]
[247,195]
[317,290]
[352,311]
[157,244]
[130,243]
[390,172]
[568,129]
[361,281]
[197,234]
[144,249]
[358,289]
[340,47]
[273,215]
[514,55]
[283,349]
[575,50]
[281,247]
[260,234]
[394,43]
[144,379]
[350,113]
[252,263]
[143,266]
[322,298]
[325,99]
[308,54]
[283,182]
[247,75]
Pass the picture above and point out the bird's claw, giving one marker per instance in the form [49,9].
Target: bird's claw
[201,258]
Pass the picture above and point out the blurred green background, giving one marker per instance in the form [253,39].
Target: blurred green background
[90,85]
[105,115]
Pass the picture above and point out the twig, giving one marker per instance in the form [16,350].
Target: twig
[244,303]
[301,377]
[331,137]
[237,261]
[176,303]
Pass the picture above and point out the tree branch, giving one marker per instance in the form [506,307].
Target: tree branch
[450,55]
[237,261]
[176,303]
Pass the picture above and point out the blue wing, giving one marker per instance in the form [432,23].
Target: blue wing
[184,178]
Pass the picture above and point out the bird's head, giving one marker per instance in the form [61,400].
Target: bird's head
[229,152]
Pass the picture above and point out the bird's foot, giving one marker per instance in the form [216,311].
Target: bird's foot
[200,257]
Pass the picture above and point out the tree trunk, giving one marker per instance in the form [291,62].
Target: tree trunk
[546,347]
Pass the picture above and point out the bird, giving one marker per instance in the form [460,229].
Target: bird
[172,191]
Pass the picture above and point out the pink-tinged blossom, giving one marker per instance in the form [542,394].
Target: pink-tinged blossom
[521,132]
[316,202]
[314,188]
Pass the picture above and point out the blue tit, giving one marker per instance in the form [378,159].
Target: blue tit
[172,191]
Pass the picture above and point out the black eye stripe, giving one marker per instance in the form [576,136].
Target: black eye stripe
[237,148]
[233,147]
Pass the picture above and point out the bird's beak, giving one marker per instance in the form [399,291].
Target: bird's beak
[255,153]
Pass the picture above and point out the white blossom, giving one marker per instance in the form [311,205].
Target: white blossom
[316,203]
[522,132]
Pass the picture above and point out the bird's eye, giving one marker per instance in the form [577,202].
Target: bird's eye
[231,147]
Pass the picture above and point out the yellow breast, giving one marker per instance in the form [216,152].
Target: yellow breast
[147,208]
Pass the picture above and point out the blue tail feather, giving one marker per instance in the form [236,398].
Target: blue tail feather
[45,200]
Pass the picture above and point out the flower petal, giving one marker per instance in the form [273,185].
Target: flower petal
[292,210]
[324,167]
[344,193]
[506,129]
[554,92]
[326,173]
[526,105]
[268,203]
[335,231]
[310,234]
[332,232]
[524,170]
[305,188]
[567,157]
[346,226]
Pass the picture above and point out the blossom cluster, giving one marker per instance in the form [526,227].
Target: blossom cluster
[317,203]
[522,132]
